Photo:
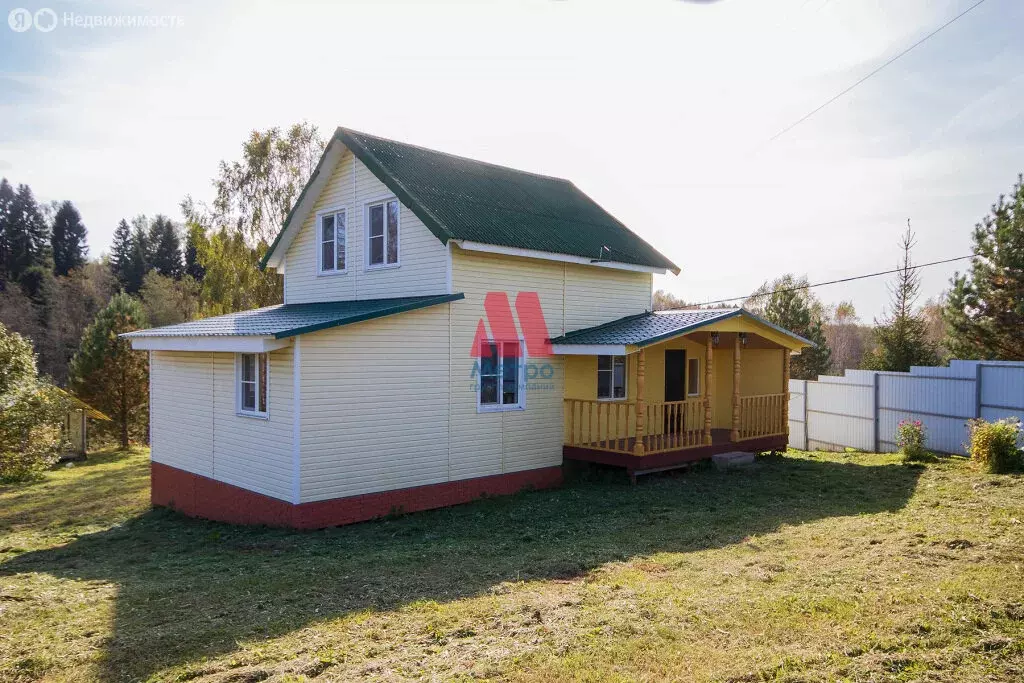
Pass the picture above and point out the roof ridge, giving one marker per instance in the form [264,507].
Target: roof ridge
[352,131]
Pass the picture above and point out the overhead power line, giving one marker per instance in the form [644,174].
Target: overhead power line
[890,61]
[835,282]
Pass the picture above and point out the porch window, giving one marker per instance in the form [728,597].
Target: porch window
[382,233]
[332,242]
[501,375]
[253,375]
[693,377]
[611,377]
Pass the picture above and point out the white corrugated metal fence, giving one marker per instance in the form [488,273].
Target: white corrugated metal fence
[862,408]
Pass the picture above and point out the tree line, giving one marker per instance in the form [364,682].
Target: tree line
[68,309]
[980,316]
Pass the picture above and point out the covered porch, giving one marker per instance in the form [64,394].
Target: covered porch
[659,390]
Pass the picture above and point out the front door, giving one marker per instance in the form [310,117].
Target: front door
[675,385]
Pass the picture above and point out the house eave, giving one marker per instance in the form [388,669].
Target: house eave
[221,344]
[551,256]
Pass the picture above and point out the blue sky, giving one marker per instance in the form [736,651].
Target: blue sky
[658,109]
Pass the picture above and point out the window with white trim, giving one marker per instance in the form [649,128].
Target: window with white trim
[332,242]
[382,233]
[611,377]
[693,376]
[501,375]
[253,375]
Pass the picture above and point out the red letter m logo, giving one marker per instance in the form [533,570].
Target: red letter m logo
[498,313]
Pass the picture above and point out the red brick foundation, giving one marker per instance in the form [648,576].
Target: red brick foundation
[199,496]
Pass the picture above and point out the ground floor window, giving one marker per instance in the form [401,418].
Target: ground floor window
[253,373]
[611,377]
[501,375]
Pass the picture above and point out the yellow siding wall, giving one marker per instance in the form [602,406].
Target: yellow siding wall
[598,295]
[494,443]
[195,426]
[374,405]
[424,260]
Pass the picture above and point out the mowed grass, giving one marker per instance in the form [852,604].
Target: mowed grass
[806,567]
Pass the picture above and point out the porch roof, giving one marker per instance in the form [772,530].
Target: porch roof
[644,329]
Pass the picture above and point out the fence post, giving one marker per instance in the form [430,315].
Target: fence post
[807,428]
[876,411]
[977,389]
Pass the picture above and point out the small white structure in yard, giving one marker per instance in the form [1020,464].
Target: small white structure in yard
[862,408]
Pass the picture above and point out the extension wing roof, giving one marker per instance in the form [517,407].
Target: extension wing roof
[649,328]
[473,201]
[288,320]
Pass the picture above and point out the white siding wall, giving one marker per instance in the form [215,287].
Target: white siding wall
[181,411]
[195,426]
[423,258]
[374,405]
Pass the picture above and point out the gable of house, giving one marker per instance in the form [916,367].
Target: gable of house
[473,204]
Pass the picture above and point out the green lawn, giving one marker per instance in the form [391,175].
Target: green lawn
[806,567]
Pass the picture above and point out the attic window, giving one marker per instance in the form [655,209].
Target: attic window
[382,234]
[332,242]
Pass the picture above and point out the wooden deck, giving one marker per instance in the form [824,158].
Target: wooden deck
[671,459]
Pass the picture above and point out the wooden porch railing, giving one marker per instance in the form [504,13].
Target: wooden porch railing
[762,415]
[611,425]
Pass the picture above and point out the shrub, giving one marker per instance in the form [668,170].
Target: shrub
[31,434]
[993,445]
[910,439]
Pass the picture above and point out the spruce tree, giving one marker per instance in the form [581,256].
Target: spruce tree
[166,247]
[28,236]
[68,240]
[139,256]
[120,252]
[984,313]
[6,205]
[901,339]
[788,303]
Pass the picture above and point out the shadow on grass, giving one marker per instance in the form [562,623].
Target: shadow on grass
[189,589]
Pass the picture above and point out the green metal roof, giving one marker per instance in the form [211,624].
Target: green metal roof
[648,328]
[289,320]
[463,199]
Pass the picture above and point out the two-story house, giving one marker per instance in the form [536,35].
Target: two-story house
[450,328]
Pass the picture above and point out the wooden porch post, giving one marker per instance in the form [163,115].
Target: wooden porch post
[707,393]
[785,392]
[638,447]
[734,435]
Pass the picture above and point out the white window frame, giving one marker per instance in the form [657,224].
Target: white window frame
[318,229]
[696,374]
[521,379]
[381,201]
[239,410]
[611,384]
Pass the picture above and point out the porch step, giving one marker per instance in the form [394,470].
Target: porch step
[724,461]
